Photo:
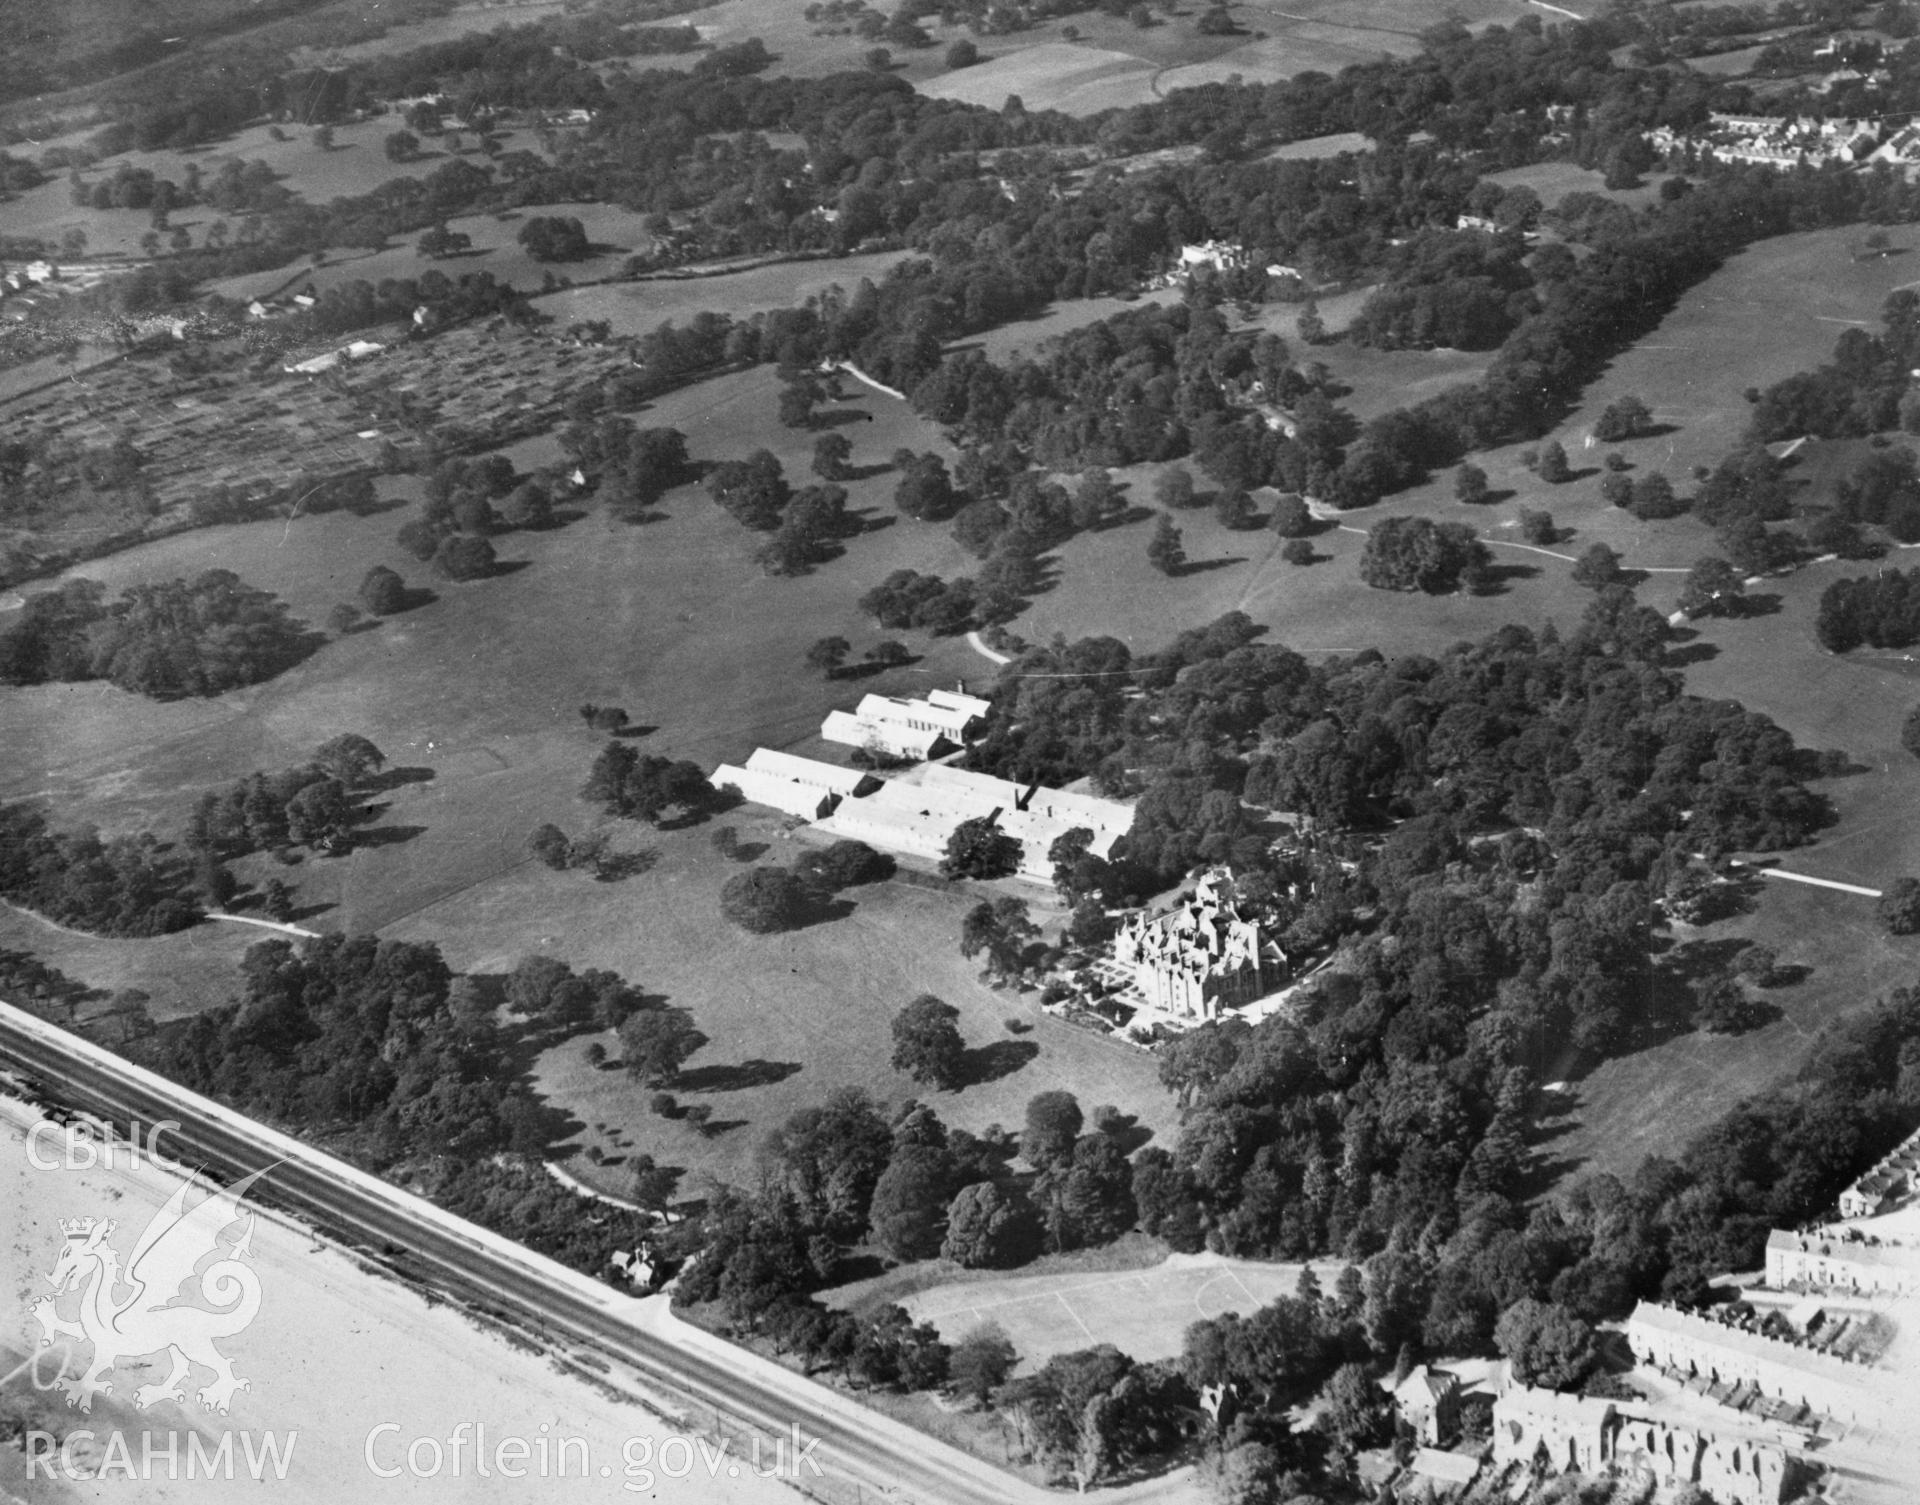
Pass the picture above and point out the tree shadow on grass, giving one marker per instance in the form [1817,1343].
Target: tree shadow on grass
[989,1063]
[1499,578]
[387,836]
[1203,566]
[1690,653]
[742,1076]
[840,418]
[394,778]
[310,911]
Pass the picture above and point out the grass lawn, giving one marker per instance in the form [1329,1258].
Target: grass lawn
[615,234]
[356,164]
[1143,1312]
[673,621]
[641,307]
[1052,75]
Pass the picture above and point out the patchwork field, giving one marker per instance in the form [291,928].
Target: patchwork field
[1079,80]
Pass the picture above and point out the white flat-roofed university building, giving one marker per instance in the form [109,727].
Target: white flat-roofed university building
[798,786]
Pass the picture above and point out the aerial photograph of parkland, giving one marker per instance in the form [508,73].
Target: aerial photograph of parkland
[960,752]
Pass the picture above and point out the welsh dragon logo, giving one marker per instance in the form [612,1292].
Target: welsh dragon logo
[139,1310]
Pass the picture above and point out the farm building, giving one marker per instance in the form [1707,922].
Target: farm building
[799,786]
[1201,956]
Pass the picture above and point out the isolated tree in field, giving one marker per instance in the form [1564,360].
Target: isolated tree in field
[555,237]
[343,618]
[655,1044]
[1910,732]
[1537,526]
[1653,498]
[979,848]
[645,787]
[652,1185]
[1312,328]
[797,400]
[765,900]
[1713,588]
[1722,1007]
[828,654]
[1173,489]
[1757,963]
[925,490]
[350,758]
[1232,507]
[1899,906]
[963,54]
[1165,551]
[1470,485]
[1297,551]
[276,898]
[323,137]
[440,241]
[1553,467]
[1616,489]
[1597,566]
[1624,418]
[1546,1344]
[401,146]
[889,654]
[528,505]
[1291,517]
[988,1228]
[927,1045]
[464,557]
[982,1360]
[1418,554]
[549,844]
[382,591]
[1053,1127]
[831,452]
[1002,929]
[844,864]
[1097,500]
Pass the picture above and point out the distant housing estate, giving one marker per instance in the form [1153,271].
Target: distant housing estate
[1788,141]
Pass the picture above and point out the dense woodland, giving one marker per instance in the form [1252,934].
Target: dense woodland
[128,886]
[197,637]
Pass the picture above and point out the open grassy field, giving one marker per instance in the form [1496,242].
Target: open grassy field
[1553,181]
[1068,76]
[356,164]
[477,691]
[1144,1313]
[615,234]
[640,307]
